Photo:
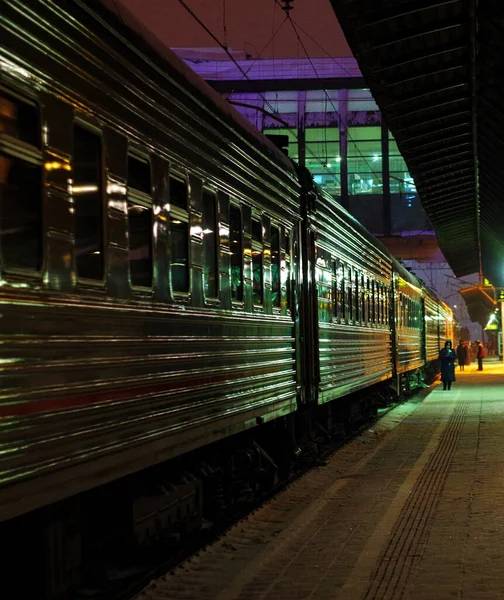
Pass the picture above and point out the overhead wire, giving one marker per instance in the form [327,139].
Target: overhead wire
[325,91]
[265,46]
[244,75]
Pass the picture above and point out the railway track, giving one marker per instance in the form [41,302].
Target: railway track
[126,579]
[205,574]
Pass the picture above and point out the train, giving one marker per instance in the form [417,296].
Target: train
[179,302]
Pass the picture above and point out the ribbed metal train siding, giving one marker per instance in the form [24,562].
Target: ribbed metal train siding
[431,327]
[134,390]
[351,359]
[351,356]
[409,350]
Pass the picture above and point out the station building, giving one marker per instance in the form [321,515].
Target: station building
[321,113]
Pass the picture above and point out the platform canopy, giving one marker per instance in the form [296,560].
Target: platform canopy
[436,70]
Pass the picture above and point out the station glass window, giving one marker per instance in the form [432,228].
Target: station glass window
[140,221]
[210,245]
[364,160]
[236,248]
[257,262]
[87,197]
[20,186]
[321,144]
[276,290]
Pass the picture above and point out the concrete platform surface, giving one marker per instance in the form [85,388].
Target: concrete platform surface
[412,509]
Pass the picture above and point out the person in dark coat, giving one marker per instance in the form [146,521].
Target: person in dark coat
[462,352]
[447,358]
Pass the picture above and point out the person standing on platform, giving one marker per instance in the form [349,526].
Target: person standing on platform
[480,354]
[447,358]
[468,354]
[462,352]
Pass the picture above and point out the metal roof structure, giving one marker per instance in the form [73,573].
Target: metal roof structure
[435,68]
[298,74]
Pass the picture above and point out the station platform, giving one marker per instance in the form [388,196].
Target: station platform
[411,509]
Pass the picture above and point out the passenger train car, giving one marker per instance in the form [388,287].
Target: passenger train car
[169,282]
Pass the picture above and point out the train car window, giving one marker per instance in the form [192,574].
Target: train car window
[377,301]
[179,255]
[20,187]
[210,245]
[363,295]
[178,193]
[87,197]
[323,278]
[257,262]
[179,237]
[335,288]
[358,316]
[286,270]
[19,119]
[139,175]
[140,221]
[372,301]
[380,304]
[385,305]
[236,243]
[20,213]
[276,264]
[383,293]
[342,295]
[294,268]
[349,295]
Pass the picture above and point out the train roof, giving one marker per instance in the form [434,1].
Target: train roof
[124,17]
[406,274]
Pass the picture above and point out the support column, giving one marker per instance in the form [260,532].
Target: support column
[386,203]
[301,126]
